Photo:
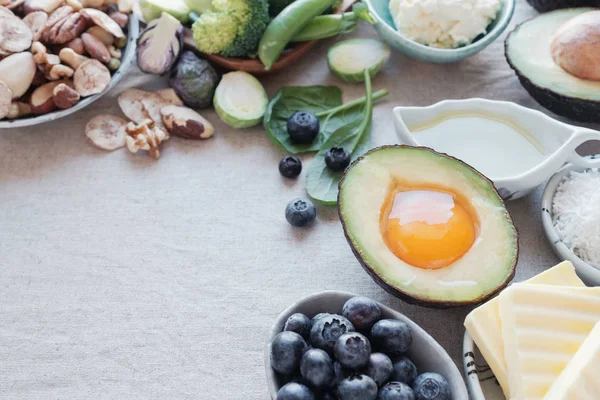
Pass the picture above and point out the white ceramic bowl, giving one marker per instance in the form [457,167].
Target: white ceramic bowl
[558,140]
[426,353]
[588,273]
[481,381]
[133,31]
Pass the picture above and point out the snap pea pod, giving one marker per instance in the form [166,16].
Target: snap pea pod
[286,25]
[325,26]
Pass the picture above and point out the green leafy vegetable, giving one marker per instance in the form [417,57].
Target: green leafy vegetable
[321,182]
[323,101]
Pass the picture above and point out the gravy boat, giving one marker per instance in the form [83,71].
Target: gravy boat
[557,139]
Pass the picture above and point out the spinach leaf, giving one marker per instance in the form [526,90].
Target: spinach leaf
[314,99]
[321,182]
[323,101]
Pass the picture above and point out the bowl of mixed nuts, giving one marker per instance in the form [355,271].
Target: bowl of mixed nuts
[59,56]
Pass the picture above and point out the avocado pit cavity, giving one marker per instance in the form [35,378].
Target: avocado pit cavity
[576,46]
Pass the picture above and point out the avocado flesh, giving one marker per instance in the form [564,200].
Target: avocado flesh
[484,270]
[528,53]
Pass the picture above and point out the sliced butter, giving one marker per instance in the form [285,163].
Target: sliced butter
[485,327]
[579,379]
[543,326]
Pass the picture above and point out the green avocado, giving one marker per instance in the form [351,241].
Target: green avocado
[551,5]
[527,50]
[368,188]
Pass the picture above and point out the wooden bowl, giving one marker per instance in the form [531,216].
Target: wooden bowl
[254,65]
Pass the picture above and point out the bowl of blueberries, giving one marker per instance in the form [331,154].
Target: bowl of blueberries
[338,346]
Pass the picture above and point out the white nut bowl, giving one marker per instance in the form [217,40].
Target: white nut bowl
[426,353]
[480,379]
[588,273]
[133,30]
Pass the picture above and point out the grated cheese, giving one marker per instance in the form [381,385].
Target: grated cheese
[576,212]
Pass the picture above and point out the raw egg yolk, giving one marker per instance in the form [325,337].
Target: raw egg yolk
[427,229]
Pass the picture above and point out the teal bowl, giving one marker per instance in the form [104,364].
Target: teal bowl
[386,28]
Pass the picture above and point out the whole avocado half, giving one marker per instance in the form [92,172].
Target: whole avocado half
[551,5]
[524,49]
[364,191]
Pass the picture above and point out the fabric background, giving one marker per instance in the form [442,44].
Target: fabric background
[126,278]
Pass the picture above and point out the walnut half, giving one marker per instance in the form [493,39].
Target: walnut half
[145,136]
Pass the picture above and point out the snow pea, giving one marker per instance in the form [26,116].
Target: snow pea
[286,25]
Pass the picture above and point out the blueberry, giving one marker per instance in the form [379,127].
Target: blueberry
[290,166]
[404,371]
[286,350]
[303,127]
[298,323]
[318,317]
[326,331]
[337,158]
[317,368]
[396,391]
[379,368]
[295,391]
[352,350]
[431,386]
[363,312]
[300,212]
[358,387]
[391,336]
[339,372]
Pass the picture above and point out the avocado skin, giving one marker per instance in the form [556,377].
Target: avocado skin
[551,5]
[571,107]
[410,298]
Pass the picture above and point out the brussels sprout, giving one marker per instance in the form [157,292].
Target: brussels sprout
[151,9]
[194,80]
[349,59]
[240,100]
[159,45]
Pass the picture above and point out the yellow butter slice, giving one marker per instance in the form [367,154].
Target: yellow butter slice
[579,379]
[485,327]
[543,327]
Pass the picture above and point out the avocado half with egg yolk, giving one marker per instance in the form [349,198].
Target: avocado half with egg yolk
[528,51]
[427,227]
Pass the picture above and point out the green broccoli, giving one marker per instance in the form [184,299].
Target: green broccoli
[233,28]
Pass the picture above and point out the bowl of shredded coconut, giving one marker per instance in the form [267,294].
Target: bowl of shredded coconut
[571,218]
[441,31]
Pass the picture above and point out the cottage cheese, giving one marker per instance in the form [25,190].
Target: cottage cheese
[443,23]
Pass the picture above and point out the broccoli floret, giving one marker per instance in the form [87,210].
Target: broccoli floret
[233,28]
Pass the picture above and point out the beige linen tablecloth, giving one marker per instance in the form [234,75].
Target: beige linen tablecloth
[126,278]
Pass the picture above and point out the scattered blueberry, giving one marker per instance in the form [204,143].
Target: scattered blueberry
[326,331]
[352,350]
[431,386]
[379,368]
[286,351]
[337,158]
[303,127]
[300,212]
[396,391]
[363,312]
[298,323]
[357,387]
[318,317]
[317,368]
[391,336]
[290,166]
[295,391]
[404,371]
